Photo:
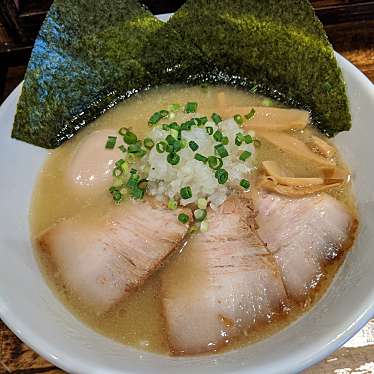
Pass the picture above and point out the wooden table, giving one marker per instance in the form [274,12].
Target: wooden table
[355,40]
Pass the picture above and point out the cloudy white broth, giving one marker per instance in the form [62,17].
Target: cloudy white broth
[273,187]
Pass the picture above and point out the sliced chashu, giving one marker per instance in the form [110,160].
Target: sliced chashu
[223,284]
[101,259]
[303,234]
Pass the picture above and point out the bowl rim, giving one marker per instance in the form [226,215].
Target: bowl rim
[72,363]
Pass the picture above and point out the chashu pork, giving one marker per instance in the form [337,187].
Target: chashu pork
[303,234]
[223,284]
[101,259]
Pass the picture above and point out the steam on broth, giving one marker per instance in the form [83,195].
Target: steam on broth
[142,319]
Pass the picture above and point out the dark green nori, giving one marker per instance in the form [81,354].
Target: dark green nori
[91,54]
[84,60]
[280,46]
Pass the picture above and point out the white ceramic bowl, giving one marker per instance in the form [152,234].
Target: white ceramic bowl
[30,309]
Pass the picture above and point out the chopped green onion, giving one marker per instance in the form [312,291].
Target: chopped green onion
[133,171]
[225,140]
[148,143]
[183,143]
[155,117]
[175,107]
[169,148]
[111,142]
[202,203]
[186,192]
[120,162]
[117,196]
[222,176]
[186,126]
[204,226]
[190,107]
[216,118]
[173,158]
[209,130]
[245,184]
[239,138]
[217,136]
[201,121]
[122,148]
[267,102]
[200,215]
[193,145]
[248,139]
[130,138]
[117,171]
[122,131]
[174,126]
[257,143]
[164,113]
[125,167]
[170,139]
[253,89]
[118,181]
[244,155]
[112,189]
[221,150]
[134,148]
[174,133]
[161,147]
[172,204]
[238,119]
[141,153]
[165,126]
[214,162]
[200,157]
[183,217]
[250,114]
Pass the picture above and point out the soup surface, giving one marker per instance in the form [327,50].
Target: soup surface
[138,320]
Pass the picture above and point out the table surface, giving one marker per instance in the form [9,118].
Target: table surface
[355,41]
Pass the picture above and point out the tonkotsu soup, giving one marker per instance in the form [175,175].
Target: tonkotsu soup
[191,220]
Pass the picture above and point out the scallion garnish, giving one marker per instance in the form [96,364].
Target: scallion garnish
[117,171]
[217,136]
[173,158]
[122,131]
[190,107]
[174,126]
[204,226]
[172,204]
[130,137]
[214,162]
[221,150]
[175,107]
[200,215]
[111,142]
[200,157]
[186,126]
[161,147]
[250,114]
[222,176]
[225,140]
[245,184]
[148,143]
[164,113]
[239,138]
[253,89]
[209,130]
[174,133]
[122,148]
[202,203]
[248,139]
[193,145]
[120,162]
[155,117]
[186,192]
[238,119]
[201,121]
[244,155]
[165,126]
[134,148]
[117,196]
[170,139]
[216,118]
[183,217]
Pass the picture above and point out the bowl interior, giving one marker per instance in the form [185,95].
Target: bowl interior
[37,317]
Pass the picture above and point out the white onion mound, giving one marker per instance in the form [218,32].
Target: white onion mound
[166,180]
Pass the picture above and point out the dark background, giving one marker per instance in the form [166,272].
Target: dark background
[348,23]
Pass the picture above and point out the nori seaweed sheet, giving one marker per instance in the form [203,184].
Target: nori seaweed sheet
[91,54]
[86,57]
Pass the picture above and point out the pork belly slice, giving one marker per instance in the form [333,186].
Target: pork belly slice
[303,234]
[101,259]
[222,285]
